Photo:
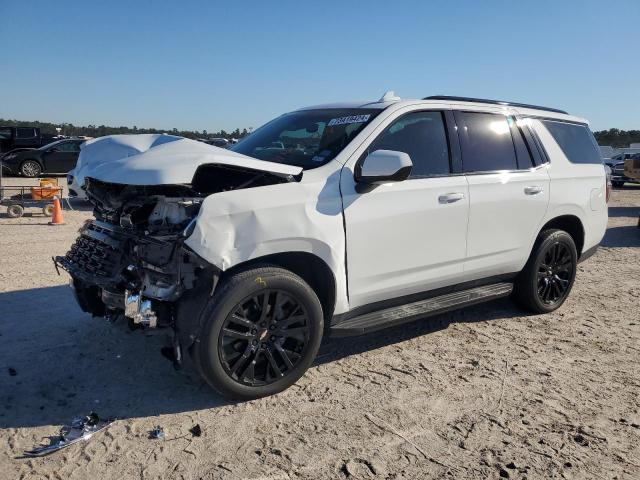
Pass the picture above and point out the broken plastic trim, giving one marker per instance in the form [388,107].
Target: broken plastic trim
[80,429]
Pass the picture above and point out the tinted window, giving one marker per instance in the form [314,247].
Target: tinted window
[5,133]
[25,133]
[66,147]
[523,154]
[423,137]
[576,141]
[486,142]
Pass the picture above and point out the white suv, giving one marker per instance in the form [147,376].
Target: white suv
[365,216]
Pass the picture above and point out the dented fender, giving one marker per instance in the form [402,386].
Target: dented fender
[238,226]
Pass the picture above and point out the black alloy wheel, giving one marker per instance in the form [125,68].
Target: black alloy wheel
[263,338]
[547,278]
[555,273]
[259,332]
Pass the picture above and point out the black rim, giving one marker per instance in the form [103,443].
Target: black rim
[555,273]
[263,338]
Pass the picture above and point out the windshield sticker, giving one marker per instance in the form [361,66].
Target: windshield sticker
[346,120]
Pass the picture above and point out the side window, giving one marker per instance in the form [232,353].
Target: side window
[486,142]
[575,140]
[65,147]
[421,135]
[25,133]
[523,154]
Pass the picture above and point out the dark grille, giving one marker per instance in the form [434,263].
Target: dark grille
[96,253]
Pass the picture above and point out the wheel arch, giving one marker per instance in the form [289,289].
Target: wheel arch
[311,268]
[570,224]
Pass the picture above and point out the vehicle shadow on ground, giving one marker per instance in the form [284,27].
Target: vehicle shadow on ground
[57,362]
[334,349]
[623,236]
[632,212]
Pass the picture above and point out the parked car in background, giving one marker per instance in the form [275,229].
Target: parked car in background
[56,157]
[218,142]
[618,176]
[22,138]
[401,210]
[632,168]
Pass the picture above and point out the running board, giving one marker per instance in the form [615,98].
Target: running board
[392,316]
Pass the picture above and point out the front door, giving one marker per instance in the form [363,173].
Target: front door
[410,236]
[61,157]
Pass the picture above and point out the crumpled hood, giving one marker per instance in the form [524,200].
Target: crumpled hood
[152,159]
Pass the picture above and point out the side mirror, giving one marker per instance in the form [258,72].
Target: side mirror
[384,166]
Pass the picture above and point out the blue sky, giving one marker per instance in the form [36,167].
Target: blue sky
[209,65]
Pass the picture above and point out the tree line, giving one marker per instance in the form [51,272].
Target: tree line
[72,130]
[617,138]
[613,137]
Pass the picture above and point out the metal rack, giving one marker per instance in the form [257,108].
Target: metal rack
[18,197]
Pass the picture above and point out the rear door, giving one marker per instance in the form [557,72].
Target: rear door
[508,192]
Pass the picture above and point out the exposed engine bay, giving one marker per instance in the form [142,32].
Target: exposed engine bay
[131,260]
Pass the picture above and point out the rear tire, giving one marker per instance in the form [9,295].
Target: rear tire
[618,184]
[30,168]
[548,276]
[260,332]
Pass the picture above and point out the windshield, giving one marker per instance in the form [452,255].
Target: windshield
[307,138]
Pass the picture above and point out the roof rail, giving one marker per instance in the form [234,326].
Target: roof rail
[492,102]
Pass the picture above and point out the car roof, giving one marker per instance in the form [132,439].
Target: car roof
[513,108]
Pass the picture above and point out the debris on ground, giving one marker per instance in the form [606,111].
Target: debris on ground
[80,429]
[157,433]
[196,431]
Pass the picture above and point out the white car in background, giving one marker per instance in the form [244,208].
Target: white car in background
[394,210]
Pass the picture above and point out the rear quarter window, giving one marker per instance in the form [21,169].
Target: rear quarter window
[575,140]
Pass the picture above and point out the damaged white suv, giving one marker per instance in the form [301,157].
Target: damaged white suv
[337,219]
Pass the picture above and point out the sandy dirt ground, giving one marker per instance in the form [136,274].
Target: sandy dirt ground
[486,392]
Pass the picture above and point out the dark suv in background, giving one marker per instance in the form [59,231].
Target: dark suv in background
[22,138]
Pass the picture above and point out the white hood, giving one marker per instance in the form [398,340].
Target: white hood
[159,160]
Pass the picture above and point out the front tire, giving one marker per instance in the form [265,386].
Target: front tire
[260,332]
[30,168]
[15,211]
[547,278]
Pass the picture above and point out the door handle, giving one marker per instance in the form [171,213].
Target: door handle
[450,197]
[533,190]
